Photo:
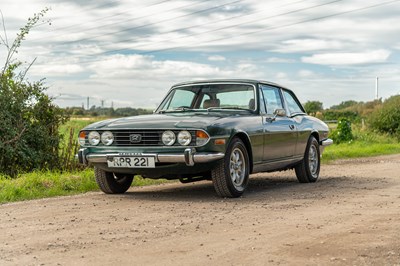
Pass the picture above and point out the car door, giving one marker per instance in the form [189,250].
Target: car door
[280,132]
[297,113]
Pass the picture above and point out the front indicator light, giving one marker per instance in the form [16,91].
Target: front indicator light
[184,138]
[168,138]
[82,138]
[107,138]
[201,138]
[94,138]
[219,142]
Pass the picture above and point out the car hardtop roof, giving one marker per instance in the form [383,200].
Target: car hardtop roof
[211,81]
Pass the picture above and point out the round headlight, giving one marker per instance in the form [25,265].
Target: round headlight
[107,138]
[94,138]
[184,138]
[168,138]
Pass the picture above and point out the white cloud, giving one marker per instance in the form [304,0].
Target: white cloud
[55,70]
[307,45]
[305,73]
[347,59]
[281,75]
[279,60]
[216,58]
[167,43]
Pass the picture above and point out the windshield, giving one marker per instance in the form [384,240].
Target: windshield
[210,97]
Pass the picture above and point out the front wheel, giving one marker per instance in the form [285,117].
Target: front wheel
[111,183]
[307,171]
[231,175]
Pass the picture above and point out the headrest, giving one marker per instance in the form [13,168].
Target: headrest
[211,103]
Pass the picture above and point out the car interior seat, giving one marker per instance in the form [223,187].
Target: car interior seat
[211,103]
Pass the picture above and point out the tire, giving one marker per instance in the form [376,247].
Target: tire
[231,175]
[110,183]
[307,171]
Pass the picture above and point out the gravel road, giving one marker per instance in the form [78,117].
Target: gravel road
[351,216]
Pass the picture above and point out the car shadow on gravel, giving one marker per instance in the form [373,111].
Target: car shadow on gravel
[283,185]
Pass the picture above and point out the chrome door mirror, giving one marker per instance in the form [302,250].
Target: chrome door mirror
[279,112]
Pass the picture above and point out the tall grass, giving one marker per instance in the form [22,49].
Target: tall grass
[69,144]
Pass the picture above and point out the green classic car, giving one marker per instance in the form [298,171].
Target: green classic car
[219,130]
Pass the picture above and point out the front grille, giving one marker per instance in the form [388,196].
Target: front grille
[147,137]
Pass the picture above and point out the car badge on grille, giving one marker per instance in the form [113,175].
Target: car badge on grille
[135,138]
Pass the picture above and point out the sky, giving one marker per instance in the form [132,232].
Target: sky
[128,53]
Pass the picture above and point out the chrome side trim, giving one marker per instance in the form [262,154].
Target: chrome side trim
[326,142]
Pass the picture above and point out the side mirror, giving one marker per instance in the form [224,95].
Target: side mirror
[277,112]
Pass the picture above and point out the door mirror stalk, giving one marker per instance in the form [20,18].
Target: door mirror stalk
[277,112]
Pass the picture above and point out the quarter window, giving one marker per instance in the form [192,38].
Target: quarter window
[292,104]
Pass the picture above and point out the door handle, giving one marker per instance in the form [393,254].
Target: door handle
[291,127]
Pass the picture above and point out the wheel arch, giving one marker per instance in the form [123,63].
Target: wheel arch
[315,134]
[246,140]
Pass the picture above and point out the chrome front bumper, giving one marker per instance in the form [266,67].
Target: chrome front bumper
[326,142]
[190,157]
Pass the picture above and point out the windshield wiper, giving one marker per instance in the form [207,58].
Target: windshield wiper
[177,109]
[228,108]
[183,108]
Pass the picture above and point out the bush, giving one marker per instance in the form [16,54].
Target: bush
[343,132]
[387,118]
[29,121]
[338,114]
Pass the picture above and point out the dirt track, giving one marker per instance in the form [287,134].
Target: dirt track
[350,217]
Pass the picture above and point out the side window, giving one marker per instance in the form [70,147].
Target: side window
[272,99]
[292,104]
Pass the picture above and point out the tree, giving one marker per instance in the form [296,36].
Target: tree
[387,118]
[313,107]
[344,105]
[29,121]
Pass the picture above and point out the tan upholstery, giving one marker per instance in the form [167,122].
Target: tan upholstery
[211,103]
[252,104]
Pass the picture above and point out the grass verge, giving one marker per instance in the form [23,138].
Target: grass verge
[44,184]
[365,144]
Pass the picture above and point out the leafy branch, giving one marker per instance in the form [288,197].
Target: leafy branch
[24,31]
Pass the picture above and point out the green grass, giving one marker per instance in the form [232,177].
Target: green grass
[44,184]
[365,144]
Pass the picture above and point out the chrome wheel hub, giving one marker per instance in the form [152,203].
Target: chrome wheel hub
[237,167]
[313,160]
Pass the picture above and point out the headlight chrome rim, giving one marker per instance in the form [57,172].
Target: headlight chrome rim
[168,138]
[94,138]
[107,138]
[184,138]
